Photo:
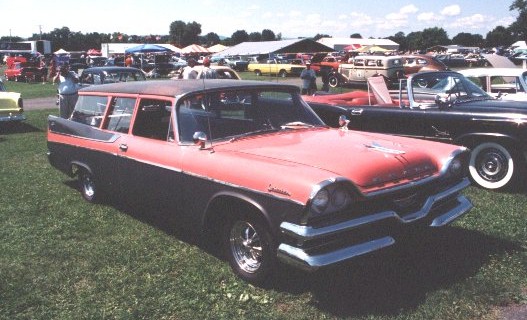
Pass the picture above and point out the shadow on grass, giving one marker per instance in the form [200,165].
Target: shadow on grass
[16,127]
[399,278]
[384,283]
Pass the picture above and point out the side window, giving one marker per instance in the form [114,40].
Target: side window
[153,119]
[90,110]
[120,114]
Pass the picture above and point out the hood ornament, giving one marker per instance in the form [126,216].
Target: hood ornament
[377,147]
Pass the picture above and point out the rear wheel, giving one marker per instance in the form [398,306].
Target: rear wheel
[88,187]
[492,166]
[257,72]
[249,248]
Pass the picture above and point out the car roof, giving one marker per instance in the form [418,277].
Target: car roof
[482,72]
[172,88]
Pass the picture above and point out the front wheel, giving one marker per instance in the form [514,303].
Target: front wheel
[258,73]
[248,247]
[492,166]
[333,80]
[282,74]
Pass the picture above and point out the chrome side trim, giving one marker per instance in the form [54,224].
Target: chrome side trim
[299,258]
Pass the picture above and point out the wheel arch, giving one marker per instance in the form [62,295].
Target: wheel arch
[471,140]
[228,204]
[77,166]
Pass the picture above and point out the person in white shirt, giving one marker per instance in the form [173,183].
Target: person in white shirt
[189,72]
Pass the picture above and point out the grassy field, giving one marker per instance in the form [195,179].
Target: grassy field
[62,258]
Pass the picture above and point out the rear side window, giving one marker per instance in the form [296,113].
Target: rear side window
[120,114]
[90,110]
[153,119]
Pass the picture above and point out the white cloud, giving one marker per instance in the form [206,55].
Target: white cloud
[409,9]
[452,10]
[474,21]
[359,19]
[428,17]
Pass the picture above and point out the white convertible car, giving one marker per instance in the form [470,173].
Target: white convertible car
[508,83]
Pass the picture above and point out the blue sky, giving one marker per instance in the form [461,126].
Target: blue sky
[291,18]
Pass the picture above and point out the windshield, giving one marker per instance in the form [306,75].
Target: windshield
[228,114]
[453,87]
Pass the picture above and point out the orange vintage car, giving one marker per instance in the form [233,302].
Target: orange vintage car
[249,165]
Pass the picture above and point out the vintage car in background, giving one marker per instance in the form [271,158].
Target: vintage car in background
[222,72]
[505,83]
[443,106]
[248,165]
[102,75]
[277,67]
[360,68]
[236,63]
[11,105]
[413,63]
[23,71]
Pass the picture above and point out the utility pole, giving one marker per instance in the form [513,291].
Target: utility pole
[40,30]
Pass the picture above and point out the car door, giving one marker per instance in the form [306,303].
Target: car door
[149,170]
[392,120]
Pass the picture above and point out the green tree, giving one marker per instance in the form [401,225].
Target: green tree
[176,32]
[415,41]
[239,36]
[499,36]
[255,36]
[211,39]
[433,37]
[268,35]
[468,39]
[519,27]
[356,36]
[400,38]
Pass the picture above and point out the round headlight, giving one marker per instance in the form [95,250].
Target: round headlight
[340,198]
[320,201]
[456,167]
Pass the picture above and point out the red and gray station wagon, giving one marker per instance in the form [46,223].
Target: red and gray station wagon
[249,165]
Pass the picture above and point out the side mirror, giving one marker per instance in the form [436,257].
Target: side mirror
[199,138]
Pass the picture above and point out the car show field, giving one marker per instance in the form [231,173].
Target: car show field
[61,256]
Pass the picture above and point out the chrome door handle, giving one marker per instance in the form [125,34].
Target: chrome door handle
[356,112]
[123,147]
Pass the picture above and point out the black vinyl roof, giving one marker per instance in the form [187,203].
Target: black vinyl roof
[172,88]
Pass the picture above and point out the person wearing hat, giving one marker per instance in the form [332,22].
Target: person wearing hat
[189,72]
[309,78]
[68,90]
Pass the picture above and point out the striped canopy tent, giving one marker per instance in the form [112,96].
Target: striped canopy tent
[194,48]
[217,48]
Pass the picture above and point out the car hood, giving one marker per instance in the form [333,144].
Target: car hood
[368,160]
[494,105]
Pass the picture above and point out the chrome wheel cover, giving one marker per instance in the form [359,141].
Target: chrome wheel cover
[246,246]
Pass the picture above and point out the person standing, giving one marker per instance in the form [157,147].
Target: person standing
[207,71]
[309,78]
[189,72]
[68,90]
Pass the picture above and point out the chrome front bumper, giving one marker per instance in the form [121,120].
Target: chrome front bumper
[299,255]
[12,117]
